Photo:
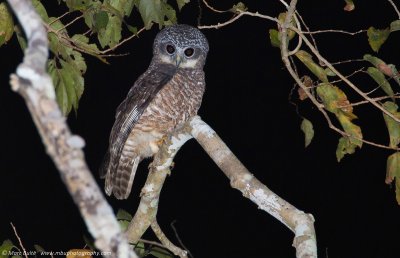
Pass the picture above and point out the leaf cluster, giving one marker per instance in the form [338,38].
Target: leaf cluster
[319,83]
[103,22]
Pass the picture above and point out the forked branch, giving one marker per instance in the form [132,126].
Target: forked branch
[299,222]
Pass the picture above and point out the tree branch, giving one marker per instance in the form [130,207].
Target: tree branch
[159,169]
[36,87]
[297,221]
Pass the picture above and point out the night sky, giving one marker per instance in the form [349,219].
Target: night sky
[246,103]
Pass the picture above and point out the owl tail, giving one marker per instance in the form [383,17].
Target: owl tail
[121,182]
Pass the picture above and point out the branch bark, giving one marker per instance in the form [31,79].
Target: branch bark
[65,149]
[299,222]
[146,213]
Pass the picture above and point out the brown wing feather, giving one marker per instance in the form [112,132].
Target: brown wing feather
[130,110]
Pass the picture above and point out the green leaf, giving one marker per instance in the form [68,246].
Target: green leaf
[349,5]
[82,42]
[317,70]
[344,147]
[101,20]
[6,24]
[274,37]
[393,172]
[307,128]
[40,10]
[123,215]
[90,13]
[154,11]
[329,72]
[111,34]
[181,3]
[395,26]
[394,73]
[387,69]
[335,101]
[68,83]
[377,37]
[374,60]
[5,248]
[239,7]
[392,126]
[379,78]
[132,29]
[140,249]
[170,14]
[123,6]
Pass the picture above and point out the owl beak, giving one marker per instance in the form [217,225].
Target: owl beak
[178,60]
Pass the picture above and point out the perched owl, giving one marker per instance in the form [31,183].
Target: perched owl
[161,100]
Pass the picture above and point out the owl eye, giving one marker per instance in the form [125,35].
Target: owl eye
[189,52]
[170,49]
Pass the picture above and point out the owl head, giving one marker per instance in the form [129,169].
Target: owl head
[181,45]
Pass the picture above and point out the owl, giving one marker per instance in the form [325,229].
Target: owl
[162,99]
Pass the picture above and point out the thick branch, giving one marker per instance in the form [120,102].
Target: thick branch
[36,87]
[299,222]
[241,179]
[147,211]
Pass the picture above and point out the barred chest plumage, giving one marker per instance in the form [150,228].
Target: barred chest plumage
[176,102]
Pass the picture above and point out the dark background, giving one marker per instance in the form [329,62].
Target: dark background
[246,102]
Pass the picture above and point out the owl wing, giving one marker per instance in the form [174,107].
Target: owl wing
[130,110]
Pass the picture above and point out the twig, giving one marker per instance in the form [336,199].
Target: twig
[152,243]
[284,54]
[241,13]
[284,3]
[166,242]
[348,61]
[307,28]
[123,41]
[322,61]
[350,75]
[213,9]
[334,31]
[179,239]
[395,8]
[348,82]
[69,24]
[60,17]
[366,101]
[65,149]
[300,42]
[19,240]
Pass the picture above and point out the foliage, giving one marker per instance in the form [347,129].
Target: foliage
[6,24]
[333,98]
[104,20]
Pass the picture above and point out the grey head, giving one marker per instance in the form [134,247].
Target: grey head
[181,45]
